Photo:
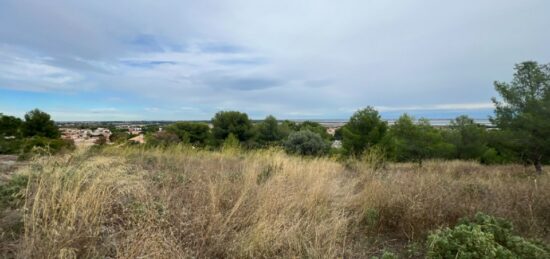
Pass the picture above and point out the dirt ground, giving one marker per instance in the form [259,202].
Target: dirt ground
[8,164]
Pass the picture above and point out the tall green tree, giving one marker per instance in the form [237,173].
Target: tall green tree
[410,141]
[10,125]
[232,122]
[469,138]
[269,131]
[192,132]
[39,123]
[364,129]
[524,109]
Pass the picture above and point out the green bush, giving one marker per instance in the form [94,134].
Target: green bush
[306,143]
[10,146]
[483,237]
[43,145]
[11,192]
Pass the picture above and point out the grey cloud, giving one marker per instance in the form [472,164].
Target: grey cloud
[276,57]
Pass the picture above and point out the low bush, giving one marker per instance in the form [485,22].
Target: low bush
[11,192]
[10,146]
[483,237]
[306,143]
[44,146]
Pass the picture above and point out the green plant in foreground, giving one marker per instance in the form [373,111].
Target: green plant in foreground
[483,237]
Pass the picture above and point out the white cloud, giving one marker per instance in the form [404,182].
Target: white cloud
[24,71]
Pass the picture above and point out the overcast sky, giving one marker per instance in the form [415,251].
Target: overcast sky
[185,60]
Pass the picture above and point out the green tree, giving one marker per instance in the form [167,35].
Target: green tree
[364,130]
[192,132]
[38,123]
[415,142]
[306,143]
[227,122]
[269,131]
[10,125]
[525,111]
[468,137]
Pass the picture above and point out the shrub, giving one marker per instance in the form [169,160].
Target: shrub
[10,146]
[11,191]
[45,146]
[306,143]
[231,144]
[482,237]
[163,138]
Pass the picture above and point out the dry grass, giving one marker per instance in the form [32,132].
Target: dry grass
[182,203]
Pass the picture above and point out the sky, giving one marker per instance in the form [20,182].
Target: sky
[186,60]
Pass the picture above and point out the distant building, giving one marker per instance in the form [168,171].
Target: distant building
[336,144]
[135,130]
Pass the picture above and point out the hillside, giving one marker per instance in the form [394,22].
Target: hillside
[179,202]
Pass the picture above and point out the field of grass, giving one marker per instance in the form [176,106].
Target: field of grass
[183,203]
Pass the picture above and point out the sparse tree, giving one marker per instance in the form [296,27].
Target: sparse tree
[525,111]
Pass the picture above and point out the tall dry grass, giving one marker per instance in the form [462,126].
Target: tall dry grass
[182,203]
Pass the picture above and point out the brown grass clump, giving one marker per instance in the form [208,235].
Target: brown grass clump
[181,203]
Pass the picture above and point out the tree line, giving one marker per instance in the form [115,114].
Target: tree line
[521,117]
[37,133]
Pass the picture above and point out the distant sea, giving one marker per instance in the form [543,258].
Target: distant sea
[433,122]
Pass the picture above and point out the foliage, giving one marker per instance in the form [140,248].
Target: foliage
[232,122]
[231,143]
[482,237]
[469,138]
[10,126]
[525,109]
[162,139]
[45,146]
[38,123]
[119,136]
[10,146]
[306,143]
[500,148]
[364,130]
[269,132]
[190,132]
[314,127]
[11,192]
[416,142]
